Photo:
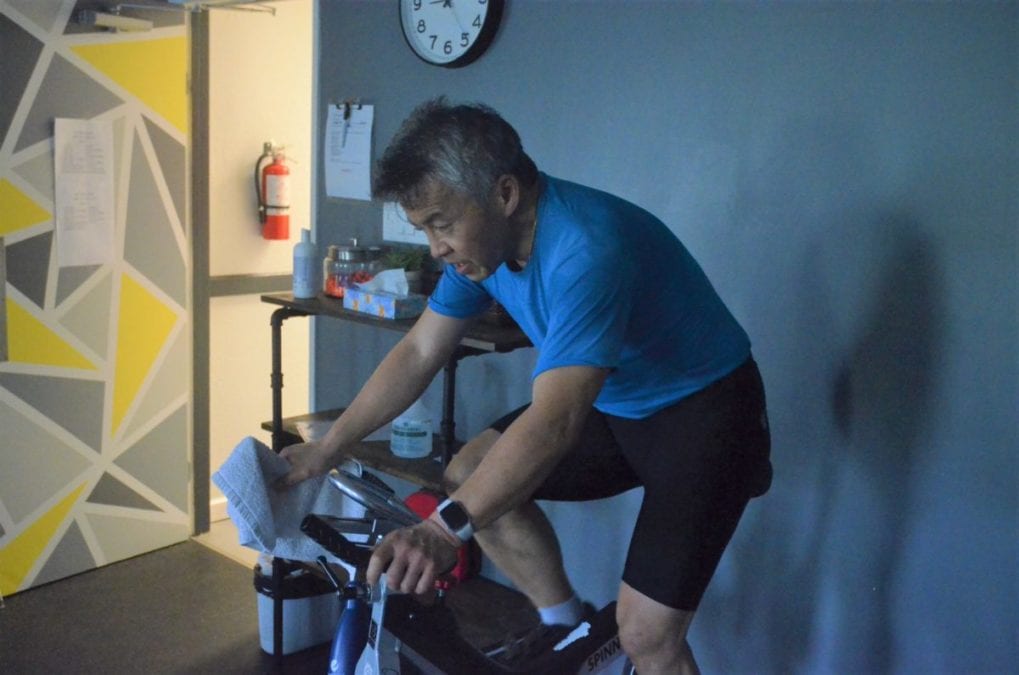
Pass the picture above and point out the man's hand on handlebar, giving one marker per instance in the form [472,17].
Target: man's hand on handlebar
[307,460]
[413,557]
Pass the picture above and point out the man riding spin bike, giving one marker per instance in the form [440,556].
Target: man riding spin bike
[643,377]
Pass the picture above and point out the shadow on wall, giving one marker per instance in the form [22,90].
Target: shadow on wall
[817,576]
[880,401]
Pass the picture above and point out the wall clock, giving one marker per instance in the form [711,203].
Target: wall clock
[449,33]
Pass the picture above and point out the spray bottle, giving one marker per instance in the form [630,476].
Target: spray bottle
[306,267]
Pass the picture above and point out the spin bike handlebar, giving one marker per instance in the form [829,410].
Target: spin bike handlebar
[378,500]
[384,512]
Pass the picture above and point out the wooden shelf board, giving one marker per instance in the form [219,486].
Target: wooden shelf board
[426,472]
[480,336]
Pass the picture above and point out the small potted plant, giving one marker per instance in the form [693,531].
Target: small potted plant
[413,260]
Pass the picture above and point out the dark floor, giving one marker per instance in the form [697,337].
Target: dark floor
[182,609]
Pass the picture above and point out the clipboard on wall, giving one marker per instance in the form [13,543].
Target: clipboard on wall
[348,150]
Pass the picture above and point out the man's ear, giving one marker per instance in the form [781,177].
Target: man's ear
[507,190]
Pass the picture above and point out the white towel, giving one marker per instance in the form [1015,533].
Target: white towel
[268,519]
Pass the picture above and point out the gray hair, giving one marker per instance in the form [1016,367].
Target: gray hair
[463,147]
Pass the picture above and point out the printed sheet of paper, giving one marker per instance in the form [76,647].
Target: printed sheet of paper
[83,168]
[348,151]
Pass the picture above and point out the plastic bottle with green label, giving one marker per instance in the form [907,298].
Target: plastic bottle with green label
[411,435]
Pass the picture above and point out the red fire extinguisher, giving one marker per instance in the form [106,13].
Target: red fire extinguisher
[272,185]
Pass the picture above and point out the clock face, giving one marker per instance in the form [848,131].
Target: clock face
[450,33]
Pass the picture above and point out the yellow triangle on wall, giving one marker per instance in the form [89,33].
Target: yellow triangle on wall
[29,340]
[19,556]
[19,211]
[142,328]
[153,70]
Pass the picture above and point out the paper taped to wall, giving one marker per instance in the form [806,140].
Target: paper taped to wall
[83,175]
[348,151]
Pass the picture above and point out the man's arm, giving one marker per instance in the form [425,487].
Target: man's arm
[508,475]
[397,382]
[531,447]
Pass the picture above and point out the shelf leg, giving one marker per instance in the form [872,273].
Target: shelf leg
[276,378]
[448,425]
[279,569]
[278,572]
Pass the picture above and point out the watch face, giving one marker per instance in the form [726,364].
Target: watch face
[449,33]
[454,516]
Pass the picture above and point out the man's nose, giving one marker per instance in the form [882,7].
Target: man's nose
[437,248]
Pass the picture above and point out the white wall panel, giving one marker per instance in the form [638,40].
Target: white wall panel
[260,77]
[260,74]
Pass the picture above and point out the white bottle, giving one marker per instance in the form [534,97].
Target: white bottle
[306,267]
[411,435]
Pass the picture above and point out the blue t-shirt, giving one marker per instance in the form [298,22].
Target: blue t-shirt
[609,285]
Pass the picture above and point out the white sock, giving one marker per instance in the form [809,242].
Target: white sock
[567,613]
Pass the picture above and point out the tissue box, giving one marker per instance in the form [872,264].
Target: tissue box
[384,305]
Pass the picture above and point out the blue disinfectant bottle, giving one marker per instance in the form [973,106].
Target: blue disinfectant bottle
[351,635]
[306,267]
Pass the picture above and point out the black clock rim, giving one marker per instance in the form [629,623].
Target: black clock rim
[485,37]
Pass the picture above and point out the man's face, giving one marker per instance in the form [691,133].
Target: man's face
[470,236]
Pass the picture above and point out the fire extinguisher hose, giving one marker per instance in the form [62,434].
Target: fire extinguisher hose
[266,154]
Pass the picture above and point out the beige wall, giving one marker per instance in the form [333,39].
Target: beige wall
[260,89]
[260,74]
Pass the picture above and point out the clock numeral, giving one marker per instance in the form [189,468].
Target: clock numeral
[440,34]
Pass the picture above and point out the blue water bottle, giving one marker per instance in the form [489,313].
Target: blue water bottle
[351,634]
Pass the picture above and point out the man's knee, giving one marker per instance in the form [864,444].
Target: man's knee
[649,632]
[463,463]
[640,640]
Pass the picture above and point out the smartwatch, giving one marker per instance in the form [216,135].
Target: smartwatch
[455,518]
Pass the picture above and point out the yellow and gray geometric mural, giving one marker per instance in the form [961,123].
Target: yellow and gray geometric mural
[95,403]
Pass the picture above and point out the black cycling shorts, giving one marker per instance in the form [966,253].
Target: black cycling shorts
[700,461]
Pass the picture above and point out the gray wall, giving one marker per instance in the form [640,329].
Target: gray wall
[3,301]
[94,395]
[846,174]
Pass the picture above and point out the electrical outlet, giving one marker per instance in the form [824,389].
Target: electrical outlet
[396,227]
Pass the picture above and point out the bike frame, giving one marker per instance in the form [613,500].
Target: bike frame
[393,634]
